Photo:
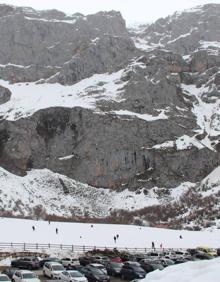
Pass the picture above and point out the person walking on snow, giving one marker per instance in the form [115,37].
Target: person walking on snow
[153,245]
[56,230]
[33,228]
[115,239]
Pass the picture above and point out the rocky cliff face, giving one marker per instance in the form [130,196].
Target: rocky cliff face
[109,107]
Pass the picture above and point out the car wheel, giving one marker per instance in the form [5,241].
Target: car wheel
[29,267]
[44,274]
[123,277]
[51,276]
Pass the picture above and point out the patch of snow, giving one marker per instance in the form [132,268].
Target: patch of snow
[179,37]
[73,21]
[204,112]
[27,99]
[146,117]
[66,158]
[186,141]
[14,65]
[207,44]
[181,143]
[144,45]
[176,193]
[213,179]
[165,145]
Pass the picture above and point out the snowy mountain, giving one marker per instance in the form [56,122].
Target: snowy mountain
[97,120]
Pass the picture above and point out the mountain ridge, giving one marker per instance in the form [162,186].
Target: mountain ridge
[119,110]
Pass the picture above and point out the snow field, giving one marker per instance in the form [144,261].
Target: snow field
[130,236]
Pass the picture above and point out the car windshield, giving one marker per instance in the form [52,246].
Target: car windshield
[134,263]
[99,266]
[117,264]
[4,278]
[58,267]
[28,275]
[138,269]
[97,271]
[75,274]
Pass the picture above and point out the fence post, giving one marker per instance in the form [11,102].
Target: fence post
[49,245]
[61,246]
[24,246]
[37,246]
[84,249]
[72,248]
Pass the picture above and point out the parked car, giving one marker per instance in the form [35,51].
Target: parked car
[218,252]
[47,259]
[150,265]
[99,266]
[202,256]
[114,268]
[85,260]
[69,262]
[78,267]
[26,263]
[207,251]
[132,270]
[166,262]
[72,276]
[9,271]
[24,276]
[93,274]
[4,278]
[116,259]
[100,259]
[52,269]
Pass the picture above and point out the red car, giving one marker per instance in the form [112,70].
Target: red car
[116,259]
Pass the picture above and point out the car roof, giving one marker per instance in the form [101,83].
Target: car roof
[96,264]
[53,263]
[24,271]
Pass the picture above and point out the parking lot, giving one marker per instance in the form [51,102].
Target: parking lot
[42,278]
[95,267]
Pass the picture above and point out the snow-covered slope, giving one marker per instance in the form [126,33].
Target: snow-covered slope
[198,271]
[28,98]
[43,192]
[102,234]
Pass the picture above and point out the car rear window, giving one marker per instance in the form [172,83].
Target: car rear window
[76,274]
[58,267]
[4,278]
[28,275]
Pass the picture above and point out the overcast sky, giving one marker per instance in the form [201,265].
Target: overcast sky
[134,11]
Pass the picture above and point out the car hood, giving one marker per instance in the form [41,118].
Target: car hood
[57,272]
[32,280]
[79,279]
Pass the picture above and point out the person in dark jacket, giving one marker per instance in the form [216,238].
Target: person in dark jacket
[153,245]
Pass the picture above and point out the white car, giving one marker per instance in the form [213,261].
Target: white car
[25,276]
[68,262]
[4,278]
[98,266]
[72,276]
[52,269]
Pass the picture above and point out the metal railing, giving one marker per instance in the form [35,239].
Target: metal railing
[73,248]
